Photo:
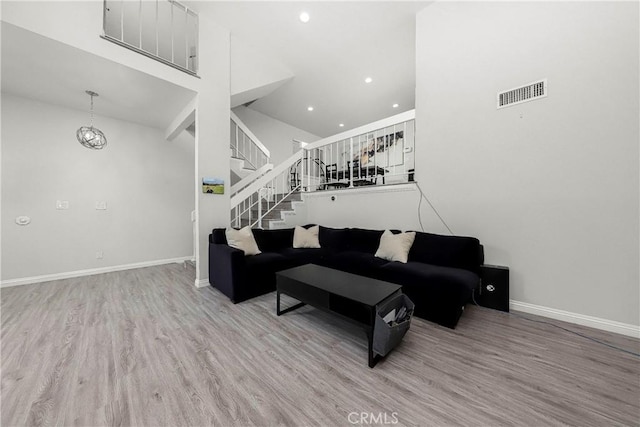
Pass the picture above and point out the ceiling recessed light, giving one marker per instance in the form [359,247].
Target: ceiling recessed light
[304,17]
[309,108]
[341,125]
[368,80]
[395,105]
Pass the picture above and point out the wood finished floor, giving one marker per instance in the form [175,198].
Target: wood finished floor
[144,347]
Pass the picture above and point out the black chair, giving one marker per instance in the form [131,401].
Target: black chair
[331,172]
[333,175]
[356,168]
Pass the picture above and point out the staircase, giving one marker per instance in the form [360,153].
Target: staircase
[282,215]
[249,157]
[249,163]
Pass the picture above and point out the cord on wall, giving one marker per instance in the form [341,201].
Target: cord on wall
[423,196]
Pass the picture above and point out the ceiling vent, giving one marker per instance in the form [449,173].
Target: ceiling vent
[521,94]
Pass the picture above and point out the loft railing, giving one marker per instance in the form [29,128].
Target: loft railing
[379,153]
[246,146]
[164,30]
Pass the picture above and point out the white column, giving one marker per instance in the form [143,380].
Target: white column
[212,138]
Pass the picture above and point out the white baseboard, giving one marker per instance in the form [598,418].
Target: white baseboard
[89,272]
[202,283]
[579,319]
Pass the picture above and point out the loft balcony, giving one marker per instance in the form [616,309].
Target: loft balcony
[164,30]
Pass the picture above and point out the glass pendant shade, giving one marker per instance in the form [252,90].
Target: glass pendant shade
[89,136]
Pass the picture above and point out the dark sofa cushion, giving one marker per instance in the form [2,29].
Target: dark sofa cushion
[355,262]
[265,262]
[273,240]
[447,251]
[430,276]
[301,256]
[334,239]
[364,240]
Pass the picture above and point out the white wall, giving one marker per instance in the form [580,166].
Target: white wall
[146,181]
[551,186]
[254,73]
[380,208]
[277,136]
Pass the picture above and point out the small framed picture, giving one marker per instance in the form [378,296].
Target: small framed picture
[212,185]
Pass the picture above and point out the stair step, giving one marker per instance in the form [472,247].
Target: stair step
[282,205]
[295,196]
[265,222]
[274,214]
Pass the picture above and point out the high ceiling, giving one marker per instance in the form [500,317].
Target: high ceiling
[330,56]
[39,68]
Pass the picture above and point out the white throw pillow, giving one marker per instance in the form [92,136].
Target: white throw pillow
[306,238]
[242,239]
[395,247]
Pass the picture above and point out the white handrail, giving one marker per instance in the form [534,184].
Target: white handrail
[264,179]
[250,178]
[250,134]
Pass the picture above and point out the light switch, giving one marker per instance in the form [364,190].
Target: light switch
[101,206]
[62,204]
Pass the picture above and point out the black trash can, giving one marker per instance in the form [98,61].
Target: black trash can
[386,336]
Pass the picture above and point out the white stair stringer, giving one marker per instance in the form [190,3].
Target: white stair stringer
[239,167]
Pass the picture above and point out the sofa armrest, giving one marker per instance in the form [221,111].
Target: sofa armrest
[226,269]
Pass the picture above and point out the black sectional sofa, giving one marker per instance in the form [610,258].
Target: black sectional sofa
[440,276]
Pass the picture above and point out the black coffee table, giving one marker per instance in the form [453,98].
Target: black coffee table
[351,296]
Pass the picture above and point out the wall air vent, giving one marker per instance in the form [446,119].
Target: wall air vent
[521,94]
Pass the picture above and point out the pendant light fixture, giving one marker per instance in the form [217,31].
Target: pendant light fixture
[89,136]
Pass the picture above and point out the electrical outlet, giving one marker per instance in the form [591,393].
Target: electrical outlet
[101,206]
[62,204]
[99,255]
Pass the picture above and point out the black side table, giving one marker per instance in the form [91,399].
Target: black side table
[494,287]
